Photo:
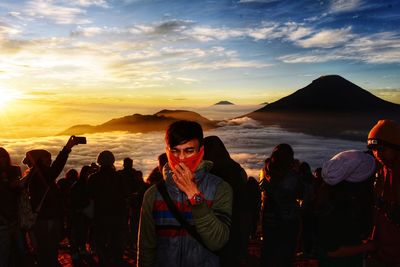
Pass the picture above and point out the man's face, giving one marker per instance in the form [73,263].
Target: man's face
[386,155]
[185,150]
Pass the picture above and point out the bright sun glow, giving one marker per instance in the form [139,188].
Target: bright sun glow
[6,96]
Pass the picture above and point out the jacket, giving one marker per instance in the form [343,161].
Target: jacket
[163,242]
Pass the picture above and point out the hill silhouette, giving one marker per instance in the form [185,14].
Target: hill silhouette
[142,123]
[329,106]
[224,102]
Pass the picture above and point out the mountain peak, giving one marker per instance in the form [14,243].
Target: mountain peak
[223,102]
[330,93]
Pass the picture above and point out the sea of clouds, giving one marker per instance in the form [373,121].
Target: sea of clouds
[248,142]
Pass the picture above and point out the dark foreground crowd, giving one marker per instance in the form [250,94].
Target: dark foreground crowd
[198,207]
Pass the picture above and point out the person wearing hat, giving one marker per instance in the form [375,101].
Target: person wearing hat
[343,209]
[45,199]
[384,141]
[109,192]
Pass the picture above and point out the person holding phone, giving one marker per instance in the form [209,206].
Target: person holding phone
[46,200]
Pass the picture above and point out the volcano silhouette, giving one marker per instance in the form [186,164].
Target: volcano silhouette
[329,106]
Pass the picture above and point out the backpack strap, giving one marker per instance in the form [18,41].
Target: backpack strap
[177,214]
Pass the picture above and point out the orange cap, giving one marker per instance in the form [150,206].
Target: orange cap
[385,132]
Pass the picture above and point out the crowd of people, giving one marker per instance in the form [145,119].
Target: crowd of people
[198,207]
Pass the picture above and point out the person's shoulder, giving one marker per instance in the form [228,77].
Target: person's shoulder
[15,171]
[150,192]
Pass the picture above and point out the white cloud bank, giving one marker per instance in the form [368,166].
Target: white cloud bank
[248,146]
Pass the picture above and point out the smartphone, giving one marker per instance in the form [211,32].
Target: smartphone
[80,140]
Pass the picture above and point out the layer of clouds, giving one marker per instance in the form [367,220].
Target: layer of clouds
[60,14]
[345,5]
[327,43]
[392,95]
[377,48]
[327,38]
[247,146]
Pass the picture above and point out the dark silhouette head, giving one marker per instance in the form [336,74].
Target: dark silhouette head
[106,159]
[128,163]
[37,158]
[182,131]
[162,160]
[72,175]
[85,172]
[5,160]
[282,159]
[214,149]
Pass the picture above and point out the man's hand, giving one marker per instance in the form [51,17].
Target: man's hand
[184,179]
[71,142]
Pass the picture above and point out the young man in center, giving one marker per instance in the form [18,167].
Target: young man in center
[203,199]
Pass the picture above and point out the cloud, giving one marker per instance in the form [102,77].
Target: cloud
[172,26]
[244,122]
[187,80]
[379,48]
[60,14]
[87,3]
[392,95]
[325,38]
[248,147]
[257,1]
[7,30]
[206,34]
[344,5]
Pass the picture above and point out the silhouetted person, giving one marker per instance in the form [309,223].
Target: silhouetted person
[109,191]
[344,209]
[231,171]
[281,211]
[9,192]
[44,191]
[308,226]
[79,200]
[134,179]
[65,184]
[156,174]
[254,207]
[384,141]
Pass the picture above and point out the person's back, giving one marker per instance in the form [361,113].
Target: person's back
[231,171]
[109,191]
[281,211]
[343,209]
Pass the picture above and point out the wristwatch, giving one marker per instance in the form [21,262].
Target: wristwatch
[196,199]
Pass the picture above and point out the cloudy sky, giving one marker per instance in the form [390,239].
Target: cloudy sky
[65,62]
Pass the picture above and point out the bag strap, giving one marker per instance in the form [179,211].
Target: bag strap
[39,207]
[176,213]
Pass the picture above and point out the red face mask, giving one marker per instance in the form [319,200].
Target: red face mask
[191,162]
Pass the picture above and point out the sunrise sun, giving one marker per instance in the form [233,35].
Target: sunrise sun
[6,96]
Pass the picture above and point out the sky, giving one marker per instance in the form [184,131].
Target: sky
[67,62]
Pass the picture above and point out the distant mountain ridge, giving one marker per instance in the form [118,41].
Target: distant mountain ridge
[142,123]
[224,102]
[329,106]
